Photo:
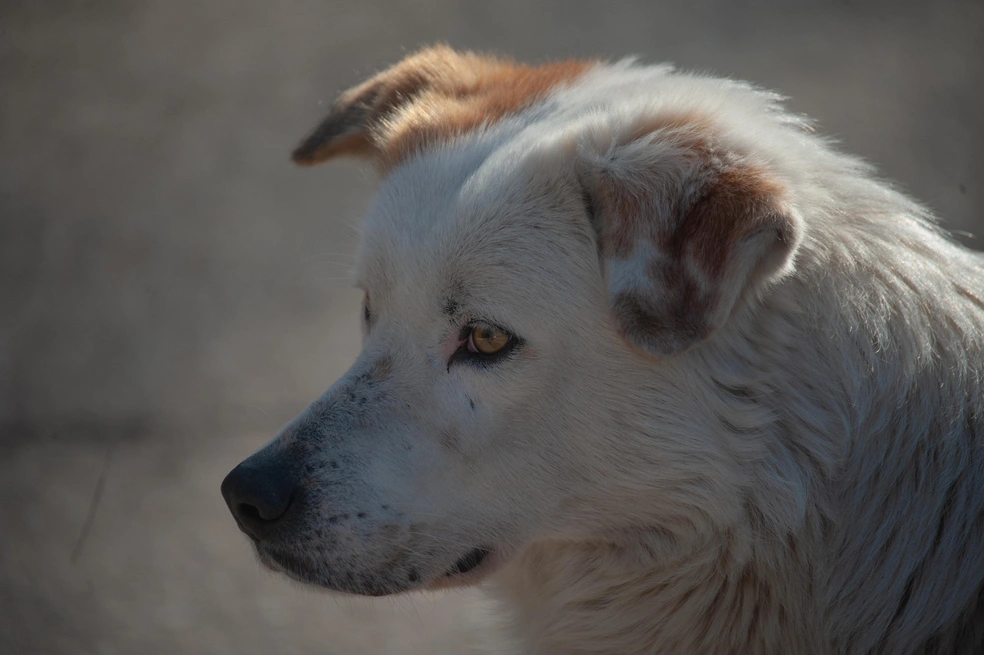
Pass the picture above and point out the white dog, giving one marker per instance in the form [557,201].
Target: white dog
[653,359]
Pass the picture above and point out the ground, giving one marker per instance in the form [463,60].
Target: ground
[172,289]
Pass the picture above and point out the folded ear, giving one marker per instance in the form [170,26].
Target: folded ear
[349,127]
[686,228]
[433,95]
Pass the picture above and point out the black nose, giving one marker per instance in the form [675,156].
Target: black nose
[258,494]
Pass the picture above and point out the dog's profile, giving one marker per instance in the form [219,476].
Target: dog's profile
[650,357]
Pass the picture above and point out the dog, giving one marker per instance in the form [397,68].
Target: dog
[650,357]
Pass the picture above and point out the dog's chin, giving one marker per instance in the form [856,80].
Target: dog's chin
[470,569]
[292,567]
[313,573]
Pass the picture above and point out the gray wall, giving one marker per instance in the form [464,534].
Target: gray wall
[172,289]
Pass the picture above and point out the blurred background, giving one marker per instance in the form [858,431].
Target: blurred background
[172,290]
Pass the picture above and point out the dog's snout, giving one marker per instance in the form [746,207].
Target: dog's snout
[258,495]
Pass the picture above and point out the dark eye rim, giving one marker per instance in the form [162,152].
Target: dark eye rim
[479,359]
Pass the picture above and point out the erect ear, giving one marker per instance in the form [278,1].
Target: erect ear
[687,229]
[433,95]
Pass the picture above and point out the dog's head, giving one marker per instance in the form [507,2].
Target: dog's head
[545,255]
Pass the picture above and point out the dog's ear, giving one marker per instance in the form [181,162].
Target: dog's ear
[349,127]
[686,229]
[435,94]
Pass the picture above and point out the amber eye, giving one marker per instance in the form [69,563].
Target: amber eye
[488,341]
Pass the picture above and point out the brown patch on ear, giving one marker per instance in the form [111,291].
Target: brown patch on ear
[615,213]
[623,201]
[738,203]
[645,324]
[339,134]
[430,97]
[439,116]
[685,226]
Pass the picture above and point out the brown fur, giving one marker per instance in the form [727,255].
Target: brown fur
[427,99]
[698,228]
[741,201]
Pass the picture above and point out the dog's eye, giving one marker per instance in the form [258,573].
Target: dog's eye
[487,341]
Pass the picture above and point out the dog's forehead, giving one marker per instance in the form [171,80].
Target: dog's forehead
[473,219]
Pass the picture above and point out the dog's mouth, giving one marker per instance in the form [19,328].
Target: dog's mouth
[469,569]
[468,562]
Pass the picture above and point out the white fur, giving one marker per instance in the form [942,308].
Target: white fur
[808,479]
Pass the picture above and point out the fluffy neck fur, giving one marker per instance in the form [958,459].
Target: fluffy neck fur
[858,382]
[586,597]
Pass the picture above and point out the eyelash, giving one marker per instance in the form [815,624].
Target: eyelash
[473,357]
